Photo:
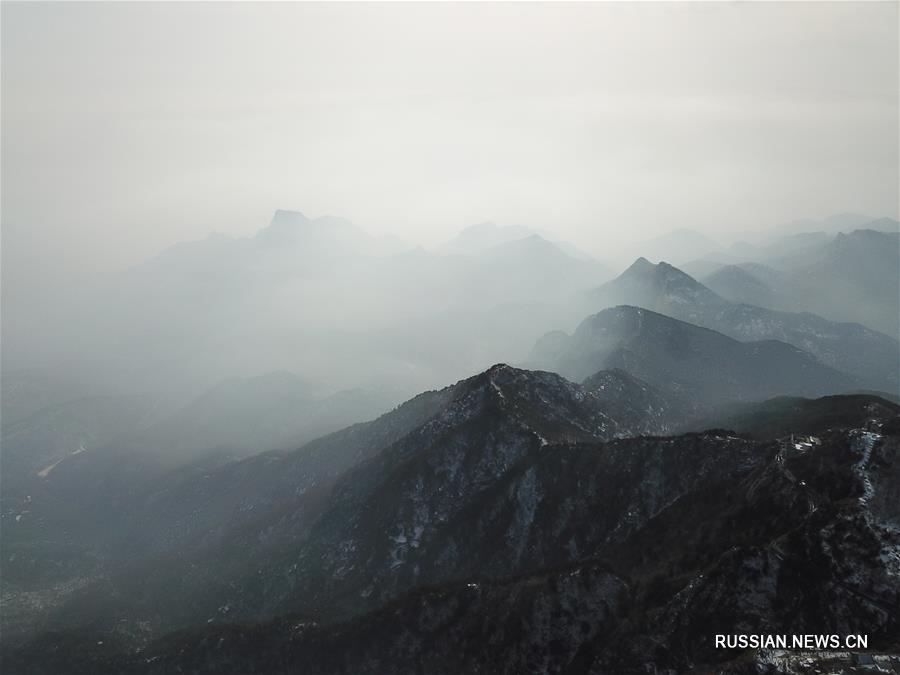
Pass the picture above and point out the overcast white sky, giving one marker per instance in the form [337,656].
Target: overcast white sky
[127,127]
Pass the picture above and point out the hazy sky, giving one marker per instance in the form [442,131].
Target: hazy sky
[127,127]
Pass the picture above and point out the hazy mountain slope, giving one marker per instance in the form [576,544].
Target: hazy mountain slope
[550,266]
[37,443]
[25,392]
[659,287]
[478,238]
[77,450]
[250,415]
[738,284]
[856,278]
[317,297]
[846,277]
[197,501]
[784,415]
[794,538]
[871,357]
[694,364]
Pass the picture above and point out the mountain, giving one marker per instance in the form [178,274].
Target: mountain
[36,444]
[485,542]
[535,266]
[679,245]
[478,238]
[249,415]
[101,512]
[267,514]
[318,297]
[871,357]
[891,225]
[643,408]
[684,360]
[655,285]
[844,277]
[785,252]
[855,278]
[25,392]
[785,415]
[236,418]
[737,283]
[841,222]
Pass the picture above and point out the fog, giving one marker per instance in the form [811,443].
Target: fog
[128,127]
[447,337]
[146,148]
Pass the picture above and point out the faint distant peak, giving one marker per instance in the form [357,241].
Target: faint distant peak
[639,266]
[283,225]
[482,236]
[530,242]
[644,268]
[285,218]
[288,226]
[840,222]
[737,274]
[863,234]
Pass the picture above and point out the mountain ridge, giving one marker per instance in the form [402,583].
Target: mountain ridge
[684,359]
[851,348]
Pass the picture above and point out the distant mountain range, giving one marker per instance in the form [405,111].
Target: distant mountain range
[871,358]
[477,239]
[845,277]
[748,284]
[237,417]
[841,222]
[322,298]
[686,361]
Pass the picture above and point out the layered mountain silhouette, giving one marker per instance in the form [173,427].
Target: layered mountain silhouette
[321,298]
[480,238]
[691,459]
[748,285]
[844,277]
[698,366]
[864,354]
[236,418]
